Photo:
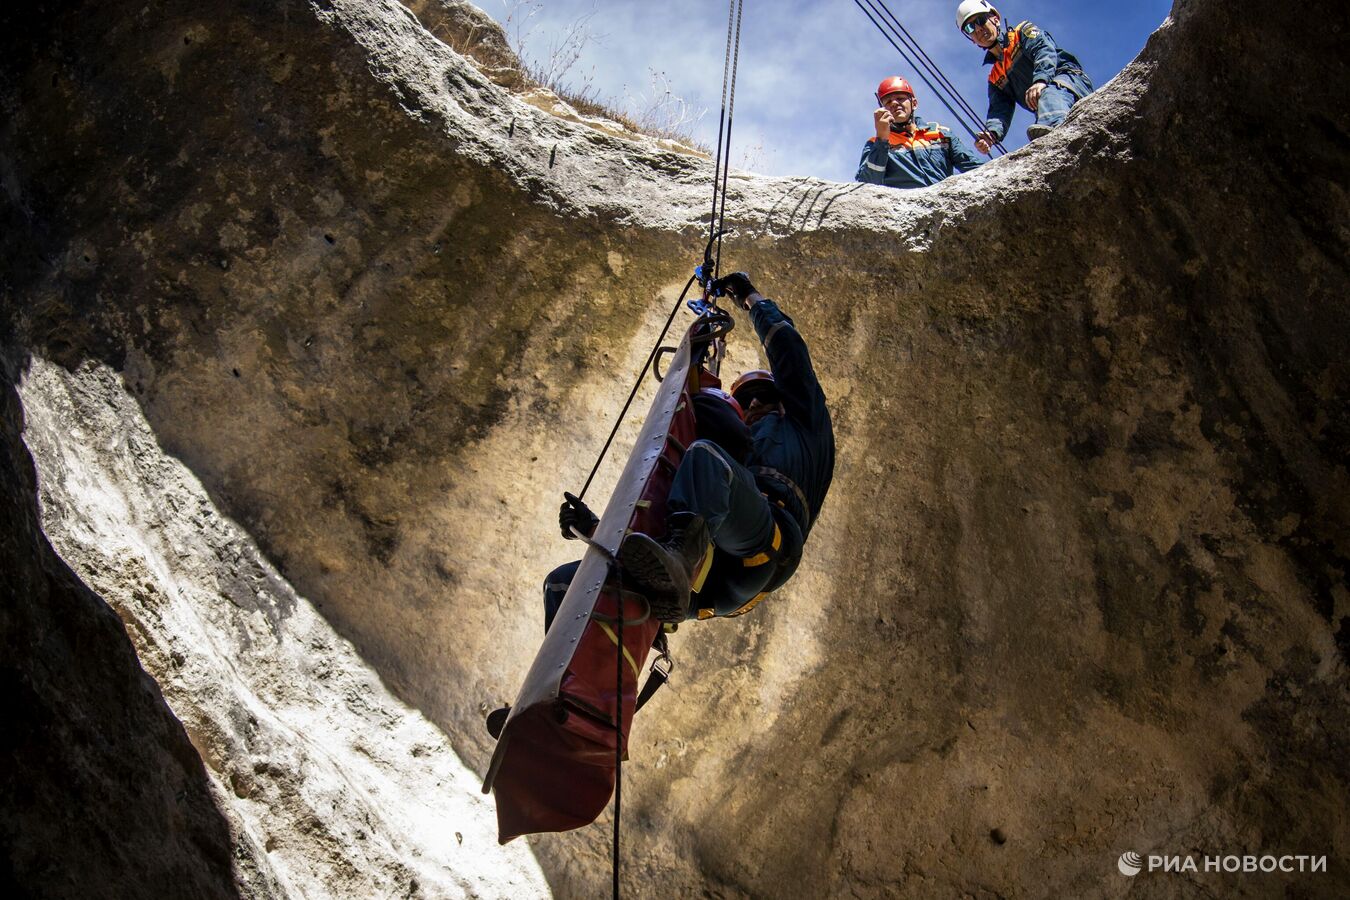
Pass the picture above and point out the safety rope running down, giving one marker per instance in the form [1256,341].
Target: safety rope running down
[721,167]
[726,157]
[636,384]
[967,118]
[722,164]
[717,218]
[716,228]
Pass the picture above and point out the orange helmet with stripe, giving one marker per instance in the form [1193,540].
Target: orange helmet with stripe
[728,399]
[893,85]
[757,383]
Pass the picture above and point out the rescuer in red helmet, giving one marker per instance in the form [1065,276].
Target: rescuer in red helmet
[756,511]
[906,151]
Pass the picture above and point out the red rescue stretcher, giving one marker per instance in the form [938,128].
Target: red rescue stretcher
[554,766]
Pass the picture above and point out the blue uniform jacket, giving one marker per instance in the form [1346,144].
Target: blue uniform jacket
[1029,55]
[925,157]
[793,457]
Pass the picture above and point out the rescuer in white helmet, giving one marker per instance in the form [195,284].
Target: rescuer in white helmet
[1029,70]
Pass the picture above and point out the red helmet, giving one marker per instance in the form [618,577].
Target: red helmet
[724,397]
[755,383]
[893,85]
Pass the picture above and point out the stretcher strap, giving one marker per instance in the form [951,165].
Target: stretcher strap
[662,666]
[632,663]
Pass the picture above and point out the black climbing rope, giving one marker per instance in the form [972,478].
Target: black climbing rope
[717,225]
[722,159]
[712,253]
[932,67]
[918,60]
[705,274]
[636,384]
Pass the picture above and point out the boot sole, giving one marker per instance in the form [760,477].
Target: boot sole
[644,561]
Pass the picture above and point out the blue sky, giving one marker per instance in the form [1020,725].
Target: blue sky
[808,67]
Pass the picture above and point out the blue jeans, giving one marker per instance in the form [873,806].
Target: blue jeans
[712,484]
[1066,90]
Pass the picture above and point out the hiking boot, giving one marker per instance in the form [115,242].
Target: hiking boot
[663,570]
[496,721]
[1038,131]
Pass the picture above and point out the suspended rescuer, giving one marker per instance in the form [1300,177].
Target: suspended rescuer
[908,152]
[744,515]
[1029,70]
[744,497]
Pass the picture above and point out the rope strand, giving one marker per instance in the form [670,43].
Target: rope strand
[961,120]
[726,168]
[716,221]
[618,737]
[633,393]
[927,61]
[721,123]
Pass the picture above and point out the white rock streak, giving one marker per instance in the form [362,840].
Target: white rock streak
[331,785]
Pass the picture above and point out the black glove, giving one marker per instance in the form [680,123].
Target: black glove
[737,285]
[575,513]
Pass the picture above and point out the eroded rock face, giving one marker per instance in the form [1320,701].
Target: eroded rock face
[329,785]
[1080,586]
[103,793]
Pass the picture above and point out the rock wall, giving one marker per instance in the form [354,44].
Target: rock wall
[1080,586]
[103,795]
[330,787]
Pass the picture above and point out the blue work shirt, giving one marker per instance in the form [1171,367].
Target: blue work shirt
[1029,55]
[925,157]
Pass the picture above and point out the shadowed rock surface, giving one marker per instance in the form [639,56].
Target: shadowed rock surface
[329,785]
[103,794]
[1079,588]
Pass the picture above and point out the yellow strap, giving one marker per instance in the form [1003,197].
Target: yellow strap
[749,605]
[615,638]
[701,570]
[760,559]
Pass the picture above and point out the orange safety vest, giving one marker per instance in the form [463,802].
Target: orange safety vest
[921,139]
[998,75]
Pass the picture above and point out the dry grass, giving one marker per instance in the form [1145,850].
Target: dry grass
[507,54]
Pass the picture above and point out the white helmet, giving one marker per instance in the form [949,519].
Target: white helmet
[970,8]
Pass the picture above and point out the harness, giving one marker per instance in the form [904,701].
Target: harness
[784,552]
[998,75]
[774,476]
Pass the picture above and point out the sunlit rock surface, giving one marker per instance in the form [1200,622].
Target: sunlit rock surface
[1080,585]
[347,792]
